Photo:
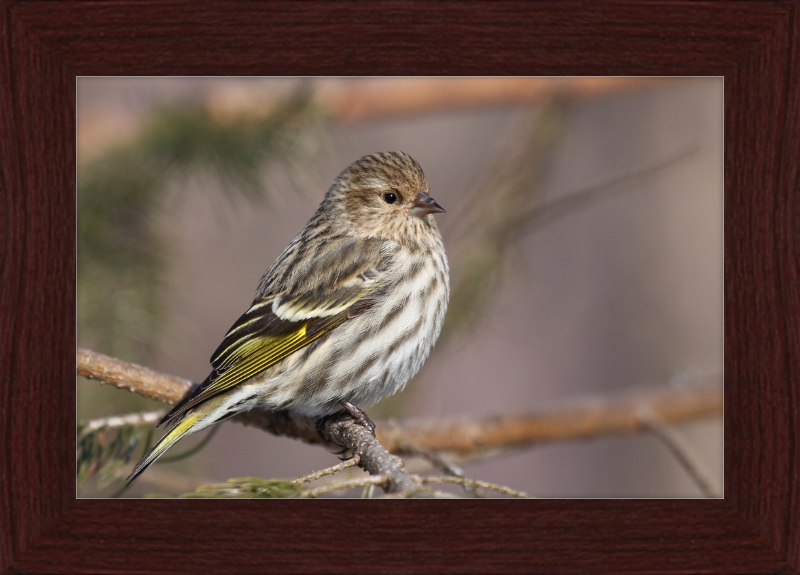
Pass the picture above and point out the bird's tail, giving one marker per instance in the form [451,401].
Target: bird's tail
[183,427]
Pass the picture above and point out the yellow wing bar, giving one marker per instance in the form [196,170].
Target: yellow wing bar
[260,352]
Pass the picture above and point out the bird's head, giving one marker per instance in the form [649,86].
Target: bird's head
[386,196]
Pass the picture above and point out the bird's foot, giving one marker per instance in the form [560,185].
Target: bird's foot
[322,424]
[359,417]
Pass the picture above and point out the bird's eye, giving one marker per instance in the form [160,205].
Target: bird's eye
[389,197]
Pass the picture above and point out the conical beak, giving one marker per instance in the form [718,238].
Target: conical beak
[424,204]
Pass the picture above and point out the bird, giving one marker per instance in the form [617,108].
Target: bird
[345,316]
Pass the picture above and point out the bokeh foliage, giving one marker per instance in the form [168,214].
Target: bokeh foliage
[248,488]
[107,452]
[121,254]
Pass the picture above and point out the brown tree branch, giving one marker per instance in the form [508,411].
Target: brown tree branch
[144,381]
[589,418]
[368,99]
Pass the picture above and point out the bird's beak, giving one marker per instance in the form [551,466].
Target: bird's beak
[424,204]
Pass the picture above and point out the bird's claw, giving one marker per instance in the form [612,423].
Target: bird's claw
[359,417]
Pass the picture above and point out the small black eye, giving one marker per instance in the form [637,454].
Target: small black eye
[389,197]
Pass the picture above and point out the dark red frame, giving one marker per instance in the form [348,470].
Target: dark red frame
[47,44]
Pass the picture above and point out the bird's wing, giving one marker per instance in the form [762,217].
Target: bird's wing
[278,324]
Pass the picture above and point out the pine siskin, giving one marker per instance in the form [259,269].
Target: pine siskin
[346,315]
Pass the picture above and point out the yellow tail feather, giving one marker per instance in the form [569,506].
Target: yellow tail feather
[163,444]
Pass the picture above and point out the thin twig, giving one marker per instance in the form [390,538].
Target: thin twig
[421,492]
[381,480]
[352,462]
[476,483]
[682,452]
[571,202]
[114,422]
[437,460]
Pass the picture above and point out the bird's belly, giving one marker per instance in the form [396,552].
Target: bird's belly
[367,358]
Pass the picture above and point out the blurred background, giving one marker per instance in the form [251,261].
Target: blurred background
[583,228]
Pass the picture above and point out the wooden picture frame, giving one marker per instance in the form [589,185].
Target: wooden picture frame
[46,45]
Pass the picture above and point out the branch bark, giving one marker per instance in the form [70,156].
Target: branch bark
[588,418]
[576,420]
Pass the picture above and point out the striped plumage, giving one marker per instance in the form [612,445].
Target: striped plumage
[348,312]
